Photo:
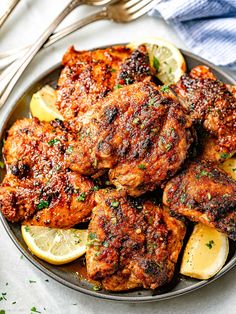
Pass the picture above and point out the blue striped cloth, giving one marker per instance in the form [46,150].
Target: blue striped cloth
[208,27]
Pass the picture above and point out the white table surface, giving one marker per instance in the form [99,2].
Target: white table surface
[25,24]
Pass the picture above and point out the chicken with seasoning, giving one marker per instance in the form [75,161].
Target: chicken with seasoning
[132,242]
[38,189]
[139,133]
[89,76]
[212,105]
[204,193]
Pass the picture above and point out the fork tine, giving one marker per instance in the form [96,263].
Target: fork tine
[141,10]
[129,3]
[140,5]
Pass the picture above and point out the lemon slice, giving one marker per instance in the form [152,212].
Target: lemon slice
[42,104]
[229,166]
[167,60]
[55,246]
[205,253]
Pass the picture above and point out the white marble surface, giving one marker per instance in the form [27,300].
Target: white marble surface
[28,20]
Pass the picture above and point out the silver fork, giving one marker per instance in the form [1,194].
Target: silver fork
[8,11]
[10,76]
[122,12]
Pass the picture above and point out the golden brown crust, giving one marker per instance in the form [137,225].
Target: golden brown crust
[38,187]
[203,192]
[212,104]
[88,76]
[142,135]
[132,242]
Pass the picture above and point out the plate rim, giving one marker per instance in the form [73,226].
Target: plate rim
[110,297]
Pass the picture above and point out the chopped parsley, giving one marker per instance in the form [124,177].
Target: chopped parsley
[3,296]
[142,166]
[209,196]
[224,155]
[210,244]
[69,150]
[34,310]
[81,197]
[156,63]
[27,229]
[1,165]
[136,121]
[53,142]
[113,70]
[97,287]
[128,81]
[168,147]
[115,204]
[118,86]
[95,188]
[234,169]
[92,236]
[105,243]
[43,204]
[183,198]
[165,88]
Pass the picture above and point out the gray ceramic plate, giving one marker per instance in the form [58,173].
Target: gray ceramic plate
[66,274]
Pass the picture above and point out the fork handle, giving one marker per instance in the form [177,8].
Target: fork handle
[8,11]
[26,59]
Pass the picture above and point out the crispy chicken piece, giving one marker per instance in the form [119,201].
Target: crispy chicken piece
[38,187]
[204,193]
[142,135]
[132,242]
[212,104]
[88,76]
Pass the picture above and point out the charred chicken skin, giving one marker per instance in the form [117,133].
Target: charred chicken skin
[132,242]
[212,104]
[140,134]
[88,76]
[38,188]
[204,193]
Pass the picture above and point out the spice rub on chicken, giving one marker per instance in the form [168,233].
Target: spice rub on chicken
[88,76]
[38,188]
[132,242]
[212,104]
[139,133]
[204,193]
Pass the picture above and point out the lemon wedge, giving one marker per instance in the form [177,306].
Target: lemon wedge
[55,246]
[205,253]
[42,104]
[164,57]
[229,166]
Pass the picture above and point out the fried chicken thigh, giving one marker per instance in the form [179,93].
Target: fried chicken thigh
[132,242]
[88,76]
[212,104]
[38,187]
[204,193]
[140,134]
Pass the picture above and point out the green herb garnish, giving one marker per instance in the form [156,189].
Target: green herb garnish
[27,229]
[183,198]
[224,155]
[43,204]
[115,204]
[165,88]
[209,196]
[118,86]
[168,147]
[142,166]
[1,165]
[97,287]
[136,121]
[33,309]
[69,150]
[53,142]
[210,244]
[81,197]
[156,63]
